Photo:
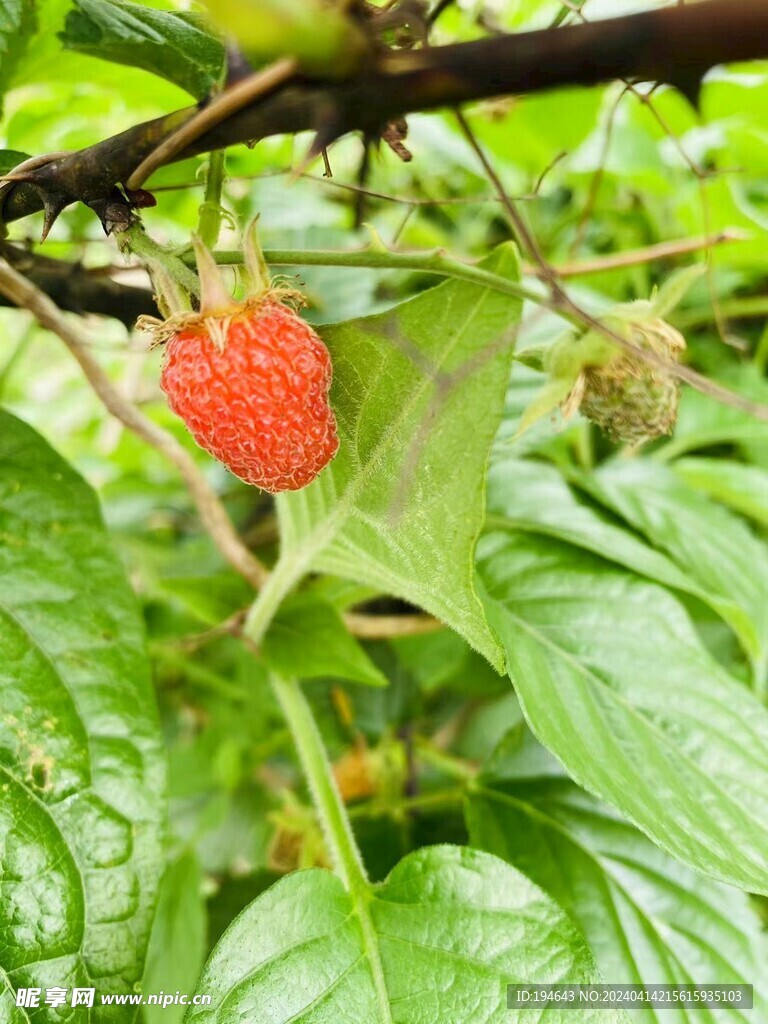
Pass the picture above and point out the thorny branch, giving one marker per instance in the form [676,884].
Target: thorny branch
[676,45]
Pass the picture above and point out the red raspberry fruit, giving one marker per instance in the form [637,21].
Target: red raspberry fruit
[252,387]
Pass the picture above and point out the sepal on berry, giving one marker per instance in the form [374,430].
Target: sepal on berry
[215,299]
[255,269]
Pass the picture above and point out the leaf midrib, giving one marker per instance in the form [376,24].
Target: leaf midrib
[632,710]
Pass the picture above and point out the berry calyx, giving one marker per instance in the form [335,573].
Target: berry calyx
[251,382]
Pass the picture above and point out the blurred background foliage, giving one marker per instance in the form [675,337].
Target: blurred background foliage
[598,171]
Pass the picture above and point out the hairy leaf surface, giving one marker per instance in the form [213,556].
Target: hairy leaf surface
[418,393]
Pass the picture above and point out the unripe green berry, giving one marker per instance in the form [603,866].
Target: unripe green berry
[629,399]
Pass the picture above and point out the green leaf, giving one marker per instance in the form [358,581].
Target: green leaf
[177,47]
[308,639]
[178,942]
[528,495]
[613,680]
[533,496]
[80,756]
[712,546]
[442,937]
[647,918]
[418,393]
[10,158]
[17,25]
[743,488]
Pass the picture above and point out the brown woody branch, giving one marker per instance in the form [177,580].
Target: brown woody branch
[676,45]
[77,289]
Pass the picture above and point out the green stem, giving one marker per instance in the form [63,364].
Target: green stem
[446,763]
[317,769]
[136,240]
[740,308]
[290,568]
[421,802]
[283,578]
[435,262]
[210,215]
[584,446]
[760,358]
[337,830]
[198,674]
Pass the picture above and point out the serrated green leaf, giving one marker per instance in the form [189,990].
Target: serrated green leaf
[712,546]
[308,639]
[447,931]
[418,393]
[81,763]
[177,47]
[647,918]
[177,945]
[613,680]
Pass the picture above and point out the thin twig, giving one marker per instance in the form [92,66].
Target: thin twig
[597,178]
[232,626]
[236,98]
[674,45]
[701,175]
[95,292]
[359,624]
[388,627]
[212,513]
[561,302]
[648,254]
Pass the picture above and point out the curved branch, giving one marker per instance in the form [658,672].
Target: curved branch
[676,45]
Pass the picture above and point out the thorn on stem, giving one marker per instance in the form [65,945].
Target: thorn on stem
[52,207]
